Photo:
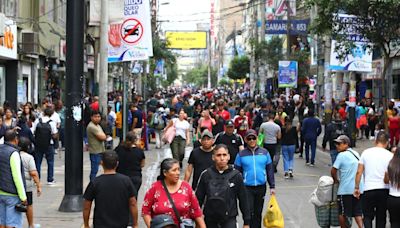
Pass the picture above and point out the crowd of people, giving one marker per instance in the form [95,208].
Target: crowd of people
[237,144]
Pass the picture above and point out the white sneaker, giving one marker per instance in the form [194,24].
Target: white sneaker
[51,183]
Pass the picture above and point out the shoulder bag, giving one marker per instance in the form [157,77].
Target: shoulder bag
[183,223]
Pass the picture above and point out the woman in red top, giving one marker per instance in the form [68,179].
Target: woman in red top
[156,201]
[394,128]
[206,121]
[241,123]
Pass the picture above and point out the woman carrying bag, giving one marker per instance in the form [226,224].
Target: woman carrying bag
[169,195]
[178,130]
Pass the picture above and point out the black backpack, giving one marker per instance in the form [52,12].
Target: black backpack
[43,134]
[219,194]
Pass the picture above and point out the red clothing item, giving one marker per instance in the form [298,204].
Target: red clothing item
[207,123]
[394,122]
[241,125]
[342,113]
[95,106]
[156,202]
[224,114]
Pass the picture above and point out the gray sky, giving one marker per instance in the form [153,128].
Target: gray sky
[183,14]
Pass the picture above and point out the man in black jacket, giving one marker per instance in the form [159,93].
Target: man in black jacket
[333,130]
[219,188]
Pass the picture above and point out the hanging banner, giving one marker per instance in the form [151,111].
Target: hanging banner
[360,57]
[359,60]
[287,77]
[130,39]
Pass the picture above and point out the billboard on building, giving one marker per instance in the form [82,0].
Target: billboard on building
[186,40]
[8,43]
[287,74]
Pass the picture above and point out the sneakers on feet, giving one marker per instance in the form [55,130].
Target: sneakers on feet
[308,163]
[290,174]
[311,165]
[286,175]
[51,182]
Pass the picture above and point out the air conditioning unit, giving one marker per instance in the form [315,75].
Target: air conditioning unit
[30,42]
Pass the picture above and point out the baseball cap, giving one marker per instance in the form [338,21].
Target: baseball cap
[161,221]
[229,123]
[342,139]
[207,133]
[250,132]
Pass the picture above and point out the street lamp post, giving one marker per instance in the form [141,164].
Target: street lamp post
[72,201]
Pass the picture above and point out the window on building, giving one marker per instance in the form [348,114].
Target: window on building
[62,12]
[8,7]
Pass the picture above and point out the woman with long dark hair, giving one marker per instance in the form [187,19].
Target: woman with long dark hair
[392,177]
[156,201]
[29,115]
[289,142]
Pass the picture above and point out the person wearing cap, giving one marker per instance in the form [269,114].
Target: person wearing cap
[347,163]
[200,158]
[257,175]
[222,112]
[232,140]
[162,221]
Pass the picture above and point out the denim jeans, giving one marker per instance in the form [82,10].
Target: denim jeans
[334,154]
[94,165]
[313,145]
[288,155]
[49,155]
[178,148]
[8,215]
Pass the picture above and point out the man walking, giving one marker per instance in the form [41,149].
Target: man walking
[272,133]
[333,130]
[311,129]
[200,158]
[96,139]
[347,163]
[114,196]
[372,165]
[12,183]
[232,140]
[257,174]
[222,180]
[45,131]
[137,120]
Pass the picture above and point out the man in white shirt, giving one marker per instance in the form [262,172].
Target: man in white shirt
[373,164]
[272,132]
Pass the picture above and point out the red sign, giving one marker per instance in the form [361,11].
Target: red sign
[131,31]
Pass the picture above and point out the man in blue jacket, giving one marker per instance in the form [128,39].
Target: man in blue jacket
[311,129]
[256,165]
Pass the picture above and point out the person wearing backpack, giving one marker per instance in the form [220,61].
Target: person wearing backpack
[219,188]
[158,122]
[45,131]
[333,130]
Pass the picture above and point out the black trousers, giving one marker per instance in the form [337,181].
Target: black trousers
[393,205]
[374,205]
[229,223]
[255,196]
[272,151]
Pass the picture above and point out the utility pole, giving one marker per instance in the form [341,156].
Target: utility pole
[262,71]
[255,36]
[209,61]
[103,79]
[72,201]
[124,100]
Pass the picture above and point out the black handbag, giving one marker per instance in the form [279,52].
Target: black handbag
[183,223]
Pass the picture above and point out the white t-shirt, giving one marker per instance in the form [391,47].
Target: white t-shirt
[56,118]
[375,161]
[270,130]
[181,127]
[45,119]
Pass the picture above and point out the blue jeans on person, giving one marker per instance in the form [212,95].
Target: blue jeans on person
[288,155]
[334,154]
[49,155]
[94,165]
[9,217]
[313,145]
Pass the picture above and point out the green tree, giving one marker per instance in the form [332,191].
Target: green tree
[198,76]
[377,21]
[269,53]
[239,67]
[225,82]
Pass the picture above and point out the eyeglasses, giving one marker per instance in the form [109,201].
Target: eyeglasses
[251,138]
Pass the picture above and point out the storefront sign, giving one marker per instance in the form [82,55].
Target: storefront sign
[377,69]
[287,77]
[280,27]
[8,43]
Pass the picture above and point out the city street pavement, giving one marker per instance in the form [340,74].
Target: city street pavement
[292,194]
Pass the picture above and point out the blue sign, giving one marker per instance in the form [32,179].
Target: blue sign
[297,27]
[287,77]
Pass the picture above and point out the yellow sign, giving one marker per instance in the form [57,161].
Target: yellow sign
[186,40]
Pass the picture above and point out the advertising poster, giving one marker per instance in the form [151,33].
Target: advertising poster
[287,77]
[130,39]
